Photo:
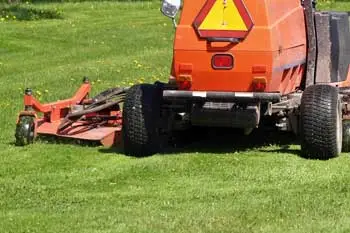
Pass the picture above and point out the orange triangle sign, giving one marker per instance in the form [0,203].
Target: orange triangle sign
[223,19]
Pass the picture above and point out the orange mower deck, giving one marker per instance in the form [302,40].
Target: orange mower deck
[88,127]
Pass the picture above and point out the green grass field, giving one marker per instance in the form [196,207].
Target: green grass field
[220,185]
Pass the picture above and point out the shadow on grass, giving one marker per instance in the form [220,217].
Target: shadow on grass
[204,140]
[219,141]
[229,141]
[25,13]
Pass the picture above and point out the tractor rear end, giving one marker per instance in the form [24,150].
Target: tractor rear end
[242,64]
[239,64]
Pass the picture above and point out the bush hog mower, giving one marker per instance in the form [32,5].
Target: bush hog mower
[236,63]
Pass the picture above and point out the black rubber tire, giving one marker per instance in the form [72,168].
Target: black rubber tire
[25,131]
[321,122]
[141,120]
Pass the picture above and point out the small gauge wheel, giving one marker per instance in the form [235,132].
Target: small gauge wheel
[25,130]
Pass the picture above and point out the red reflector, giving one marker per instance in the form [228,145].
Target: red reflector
[184,85]
[259,84]
[259,87]
[222,61]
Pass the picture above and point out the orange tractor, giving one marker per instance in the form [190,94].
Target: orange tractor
[236,64]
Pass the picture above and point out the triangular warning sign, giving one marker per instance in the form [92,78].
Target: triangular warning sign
[223,19]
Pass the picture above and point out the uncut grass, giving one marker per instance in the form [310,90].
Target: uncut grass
[220,184]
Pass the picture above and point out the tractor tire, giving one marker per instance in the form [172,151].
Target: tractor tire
[141,120]
[321,122]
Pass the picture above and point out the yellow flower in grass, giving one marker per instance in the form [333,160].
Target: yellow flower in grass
[98,80]
[131,84]
[14,17]
[38,93]
[2,19]
[46,91]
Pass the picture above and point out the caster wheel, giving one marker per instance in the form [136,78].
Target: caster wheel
[25,130]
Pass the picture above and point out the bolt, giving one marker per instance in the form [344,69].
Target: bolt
[28,91]
[85,79]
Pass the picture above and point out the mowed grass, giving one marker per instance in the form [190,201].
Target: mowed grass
[221,184]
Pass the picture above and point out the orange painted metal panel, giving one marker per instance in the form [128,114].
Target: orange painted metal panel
[277,41]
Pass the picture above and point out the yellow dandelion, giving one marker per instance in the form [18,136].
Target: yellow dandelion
[7,16]
[98,80]
[131,84]
[14,17]
[46,91]
[139,65]
[38,93]
[92,83]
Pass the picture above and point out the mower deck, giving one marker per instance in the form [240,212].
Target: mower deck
[96,119]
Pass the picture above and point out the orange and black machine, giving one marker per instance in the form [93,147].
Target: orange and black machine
[236,63]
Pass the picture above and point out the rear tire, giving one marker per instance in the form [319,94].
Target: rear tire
[141,120]
[321,122]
